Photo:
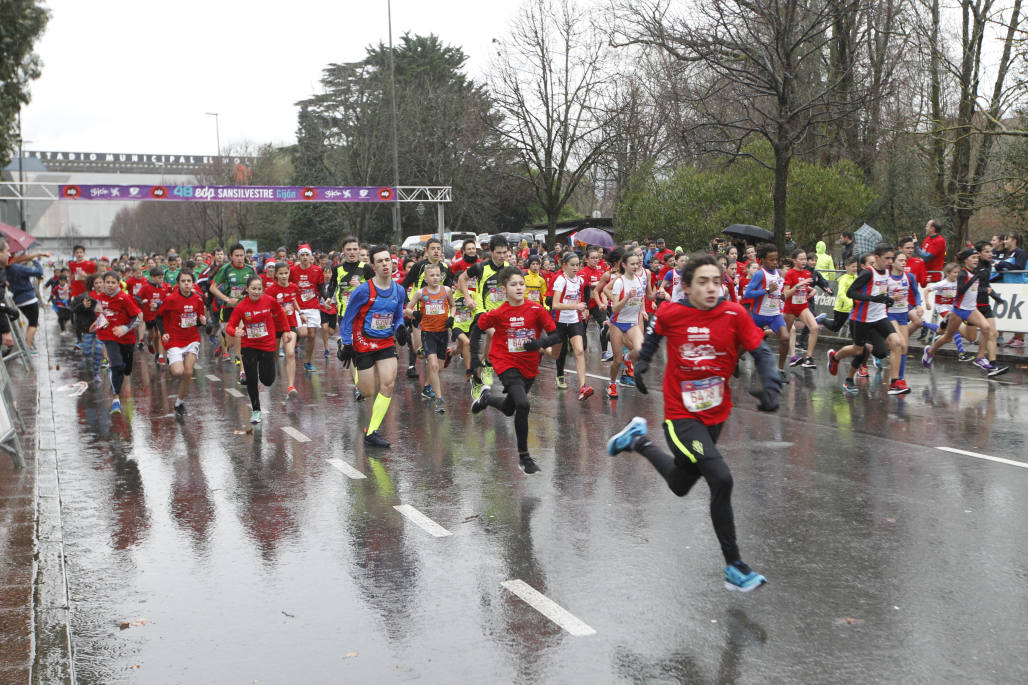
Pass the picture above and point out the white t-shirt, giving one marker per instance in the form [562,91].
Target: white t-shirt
[635,290]
[567,291]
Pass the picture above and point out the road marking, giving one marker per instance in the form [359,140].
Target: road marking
[300,437]
[211,377]
[234,392]
[986,379]
[548,608]
[1001,460]
[346,469]
[591,375]
[426,524]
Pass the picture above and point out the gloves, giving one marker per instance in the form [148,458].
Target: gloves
[767,400]
[449,322]
[415,320]
[346,355]
[532,344]
[881,299]
[402,336]
[641,367]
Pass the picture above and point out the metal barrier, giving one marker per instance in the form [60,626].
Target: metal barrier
[11,423]
[20,351]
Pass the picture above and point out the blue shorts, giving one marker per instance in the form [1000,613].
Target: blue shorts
[962,313]
[902,318]
[775,322]
[624,326]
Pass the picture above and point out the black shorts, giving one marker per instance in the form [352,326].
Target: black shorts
[569,330]
[598,315]
[330,320]
[692,441]
[512,377]
[986,310]
[435,342]
[150,325]
[876,333]
[225,314]
[365,360]
[456,333]
[31,312]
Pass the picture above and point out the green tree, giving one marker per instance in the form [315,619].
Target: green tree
[21,23]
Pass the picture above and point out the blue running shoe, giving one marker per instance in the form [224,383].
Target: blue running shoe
[820,318]
[741,578]
[626,381]
[877,361]
[116,407]
[622,440]
[309,368]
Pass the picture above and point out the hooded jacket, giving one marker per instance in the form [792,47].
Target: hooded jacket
[824,260]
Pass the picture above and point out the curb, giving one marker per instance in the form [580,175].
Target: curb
[917,348]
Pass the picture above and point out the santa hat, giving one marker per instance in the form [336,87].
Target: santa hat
[304,247]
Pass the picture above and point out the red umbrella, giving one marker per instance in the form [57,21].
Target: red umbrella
[17,239]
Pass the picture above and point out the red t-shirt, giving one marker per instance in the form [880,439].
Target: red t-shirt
[181,316]
[116,310]
[150,298]
[84,267]
[916,266]
[591,278]
[936,245]
[550,277]
[307,280]
[797,302]
[134,285]
[288,298]
[703,348]
[513,326]
[259,320]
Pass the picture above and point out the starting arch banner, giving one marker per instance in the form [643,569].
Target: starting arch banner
[203,193]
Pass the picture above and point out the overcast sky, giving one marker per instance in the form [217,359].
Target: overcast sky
[132,76]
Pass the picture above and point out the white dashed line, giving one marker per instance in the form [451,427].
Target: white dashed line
[346,469]
[214,379]
[548,608]
[297,435]
[422,521]
[234,392]
[1001,460]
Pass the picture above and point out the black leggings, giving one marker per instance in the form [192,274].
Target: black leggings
[515,404]
[120,357]
[259,365]
[838,320]
[696,456]
[600,317]
[568,331]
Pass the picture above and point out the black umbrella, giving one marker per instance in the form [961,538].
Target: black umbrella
[753,233]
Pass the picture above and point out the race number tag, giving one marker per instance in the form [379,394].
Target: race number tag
[533,295]
[381,322]
[517,337]
[188,320]
[288,307]
[307,294]
[434,309]
[463,315]
[496,294]
[703,394]
[236,291]
[256,330]
[800,296]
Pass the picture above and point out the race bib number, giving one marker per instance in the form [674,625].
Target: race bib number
[634,302]
[288,307]
[433,309]
[256,330]
[236,291]
[188,320]
[701,395]
[473,284]
[307,294]
[496,294]
[517,337]
[463,315]
[381,322]
[800,296]
[533,295]
[346,298]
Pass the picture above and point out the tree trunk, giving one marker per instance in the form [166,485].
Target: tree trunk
[783,157]
[938,142]
[551,229]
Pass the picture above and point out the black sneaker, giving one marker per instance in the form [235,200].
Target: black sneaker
[479,405]
[808,363]
[412,371]
[528,464]
[965,357]
[375,440]
[997,371]
[357,396]
[180,409]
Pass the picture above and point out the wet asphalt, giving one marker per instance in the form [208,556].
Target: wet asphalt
[199,553]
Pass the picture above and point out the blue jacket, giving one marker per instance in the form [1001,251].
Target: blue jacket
[375,317]
[19,281]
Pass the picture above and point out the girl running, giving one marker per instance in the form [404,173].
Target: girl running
[177,320]
[628,293]
[765,289]
[287,294]
[570,308]
[797,291]
[902,285]
[116,328]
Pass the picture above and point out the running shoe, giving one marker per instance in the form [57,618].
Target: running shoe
[585,393]
[150,348]
[239,362]
[562,383]
[78,346]
[161,361]
[626,380]
[528,464]
[357,396]
[785,376]
[898,387]
[926,358]
[862,372]
[808,363]
[741,578]
[795,360]
[375,440]
[612,391]
[225,357]
[623,439]
[487,374]
[309,368]
[97,378]
[607,356]
[449,356]
[998,370]
[281,354]
[476,390]
[482,401]
[180,409]
[255,416]
[291,391]
[421,353]
[982,363]
[877,362]
[439,406]
[139,345]
[412,371]
[965,357]
[1016,343]
[325,354]
[242,378]
[820,318]
[116,407]
[833,364]
[849,386]
[1000,342]
[427,392]
[629,367]
[106,363]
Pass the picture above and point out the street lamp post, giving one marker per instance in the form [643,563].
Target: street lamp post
[217,167]
[21,176]
[397,237]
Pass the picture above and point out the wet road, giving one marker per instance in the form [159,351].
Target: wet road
[199,555]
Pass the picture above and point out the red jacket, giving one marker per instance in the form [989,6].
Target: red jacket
[260,320]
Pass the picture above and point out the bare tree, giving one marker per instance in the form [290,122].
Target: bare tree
[550,81]
[757,69]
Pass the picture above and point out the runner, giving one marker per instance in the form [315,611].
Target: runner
[177,319]
[798,290]
[83,315]
[945,297]
[479,284]
[902,285]
[327,304]
[349,274]
[437,306]
[414,280]
[256,322]
[308,277]
[514,351]
[287,294]
[81,268]
[570,309]
[535,284]
[704,336]
[843,304]
[370,330]
[115,327]
[984,306]
[229,286]
[591,274]
[628,293]
[151,295]
[765,289]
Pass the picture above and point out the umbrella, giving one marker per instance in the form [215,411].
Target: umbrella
[865,239]
[753,233]
[18,239]
[595,236]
